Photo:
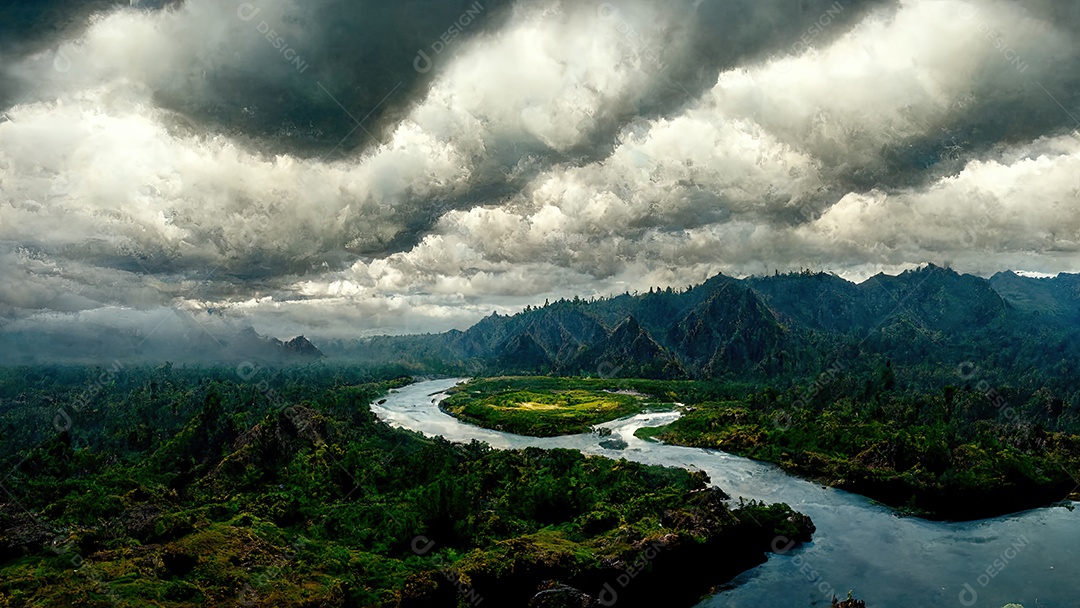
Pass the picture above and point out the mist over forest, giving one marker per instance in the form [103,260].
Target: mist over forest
[544,303]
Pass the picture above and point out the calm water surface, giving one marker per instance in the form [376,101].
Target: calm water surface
[1028,558]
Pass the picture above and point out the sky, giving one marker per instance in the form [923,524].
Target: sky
[341,169]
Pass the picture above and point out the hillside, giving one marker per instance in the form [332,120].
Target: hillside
[929,323]
[191,487]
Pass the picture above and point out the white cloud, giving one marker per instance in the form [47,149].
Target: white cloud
[873,148]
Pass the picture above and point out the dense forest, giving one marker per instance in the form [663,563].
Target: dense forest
[933,326]
[170,486]
[962,453]
[941,394]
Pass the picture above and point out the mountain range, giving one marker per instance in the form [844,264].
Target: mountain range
[931,325]
[768,327]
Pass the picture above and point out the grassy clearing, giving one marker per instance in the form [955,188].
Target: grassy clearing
[546,407]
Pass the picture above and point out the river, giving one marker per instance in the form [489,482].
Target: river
[1029,558]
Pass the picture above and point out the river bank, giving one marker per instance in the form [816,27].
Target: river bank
[919,470]
[936,465]
[200,488]
[894,562]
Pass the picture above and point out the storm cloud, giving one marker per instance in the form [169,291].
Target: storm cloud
[348,168]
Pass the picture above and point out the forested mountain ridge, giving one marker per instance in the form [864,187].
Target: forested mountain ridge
[783,326]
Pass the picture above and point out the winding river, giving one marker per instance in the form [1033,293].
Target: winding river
[1029,558]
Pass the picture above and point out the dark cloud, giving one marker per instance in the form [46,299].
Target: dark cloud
[375,167]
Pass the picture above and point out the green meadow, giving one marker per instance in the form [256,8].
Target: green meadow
[546,407]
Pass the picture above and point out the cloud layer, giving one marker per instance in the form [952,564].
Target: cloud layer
[255,161]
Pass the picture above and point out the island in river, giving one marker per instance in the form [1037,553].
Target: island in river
[937,456]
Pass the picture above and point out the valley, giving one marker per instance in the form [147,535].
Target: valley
[927,455]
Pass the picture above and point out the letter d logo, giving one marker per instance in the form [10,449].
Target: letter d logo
[419,547]
[422,63]
[246,370]
[61,421]
[967,596]
[607,596]
[61,62]
[247,11]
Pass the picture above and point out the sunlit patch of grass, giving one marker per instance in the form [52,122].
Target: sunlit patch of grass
[543,407]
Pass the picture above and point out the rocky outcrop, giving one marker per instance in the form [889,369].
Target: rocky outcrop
[706,543]
[303,347]
[562,596]
[21,533]
[249,343]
